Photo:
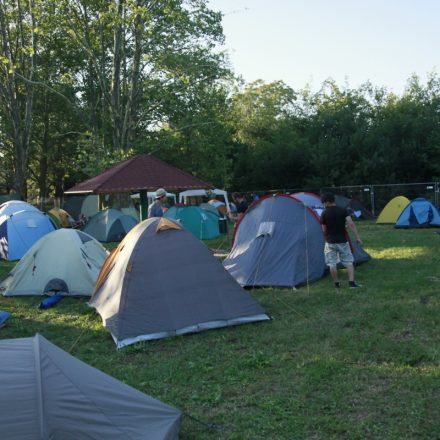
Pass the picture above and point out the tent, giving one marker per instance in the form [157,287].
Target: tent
[219,206]
[19,231]
[14,206]
[210,208]
[87,205]
[61,217]
[131,211]
[311,200]
[161,281]
[357,209]
[109,225]
[67,261]
[183,196]
[419,213]
[48,394]
[390,213]
[279,242]
[202,223]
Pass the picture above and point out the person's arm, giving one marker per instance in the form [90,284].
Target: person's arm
[352,226]
[323,225]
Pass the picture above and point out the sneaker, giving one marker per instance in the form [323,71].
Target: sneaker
[353,285]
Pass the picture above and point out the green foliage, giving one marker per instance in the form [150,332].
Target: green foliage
[85,84]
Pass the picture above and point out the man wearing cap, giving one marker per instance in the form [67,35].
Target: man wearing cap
[156,208]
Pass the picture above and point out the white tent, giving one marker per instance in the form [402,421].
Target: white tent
[204,193]
[66,261]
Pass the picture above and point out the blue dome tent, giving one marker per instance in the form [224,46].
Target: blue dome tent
[19,231]
[419,213]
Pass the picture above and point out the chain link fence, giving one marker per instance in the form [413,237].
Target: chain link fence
[373,197]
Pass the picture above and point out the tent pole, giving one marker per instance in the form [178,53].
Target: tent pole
[144,204]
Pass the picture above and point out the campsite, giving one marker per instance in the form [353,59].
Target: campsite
[219,219]
[328,365]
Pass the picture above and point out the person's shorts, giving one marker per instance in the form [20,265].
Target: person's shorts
[338,252]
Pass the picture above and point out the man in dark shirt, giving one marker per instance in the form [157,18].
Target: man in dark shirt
[241,204]
[334,220]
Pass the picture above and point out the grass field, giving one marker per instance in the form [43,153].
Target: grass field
[348,364]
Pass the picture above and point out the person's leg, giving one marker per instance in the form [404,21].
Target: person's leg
[334,273]
[347,260]
[331,260]
[350,272]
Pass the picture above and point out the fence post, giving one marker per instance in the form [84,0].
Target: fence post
[436,193]
[372,200]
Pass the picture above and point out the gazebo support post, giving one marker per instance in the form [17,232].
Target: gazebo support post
[144,204]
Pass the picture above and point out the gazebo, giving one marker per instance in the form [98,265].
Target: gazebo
[140,173]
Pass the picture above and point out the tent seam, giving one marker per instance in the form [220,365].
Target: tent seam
[37,359]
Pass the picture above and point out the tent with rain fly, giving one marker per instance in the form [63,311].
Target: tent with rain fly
[65,261]
[161,281]
[14,206]
[201,222]
[19,231]
[109,225]
[419,213]
[390,213]
[48,394]
[279,242]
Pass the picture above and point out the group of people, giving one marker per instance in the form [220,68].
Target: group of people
[334,221]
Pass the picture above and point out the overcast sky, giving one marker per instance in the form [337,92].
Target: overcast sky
[307,41]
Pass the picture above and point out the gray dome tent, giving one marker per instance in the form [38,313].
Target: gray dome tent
[48,394]
[109,225]
[279,242]
[162,281]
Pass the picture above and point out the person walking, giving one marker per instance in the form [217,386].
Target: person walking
[156,208]
[334,220]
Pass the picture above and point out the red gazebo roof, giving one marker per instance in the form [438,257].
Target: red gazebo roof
[141,172]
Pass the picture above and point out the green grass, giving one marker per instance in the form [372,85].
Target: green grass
[361,364]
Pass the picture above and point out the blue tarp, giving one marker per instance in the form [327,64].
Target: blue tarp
[3,317]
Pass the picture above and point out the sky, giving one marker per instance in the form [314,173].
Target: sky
[305,42]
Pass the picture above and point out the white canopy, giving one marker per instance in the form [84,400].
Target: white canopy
[203,192]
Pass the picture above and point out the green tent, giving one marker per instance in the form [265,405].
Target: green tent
[203,224]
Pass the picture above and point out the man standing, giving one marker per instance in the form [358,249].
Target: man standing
[156,208]
[334,220]
[241,204]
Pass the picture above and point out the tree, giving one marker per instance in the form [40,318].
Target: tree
[142,55]
[18,61]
